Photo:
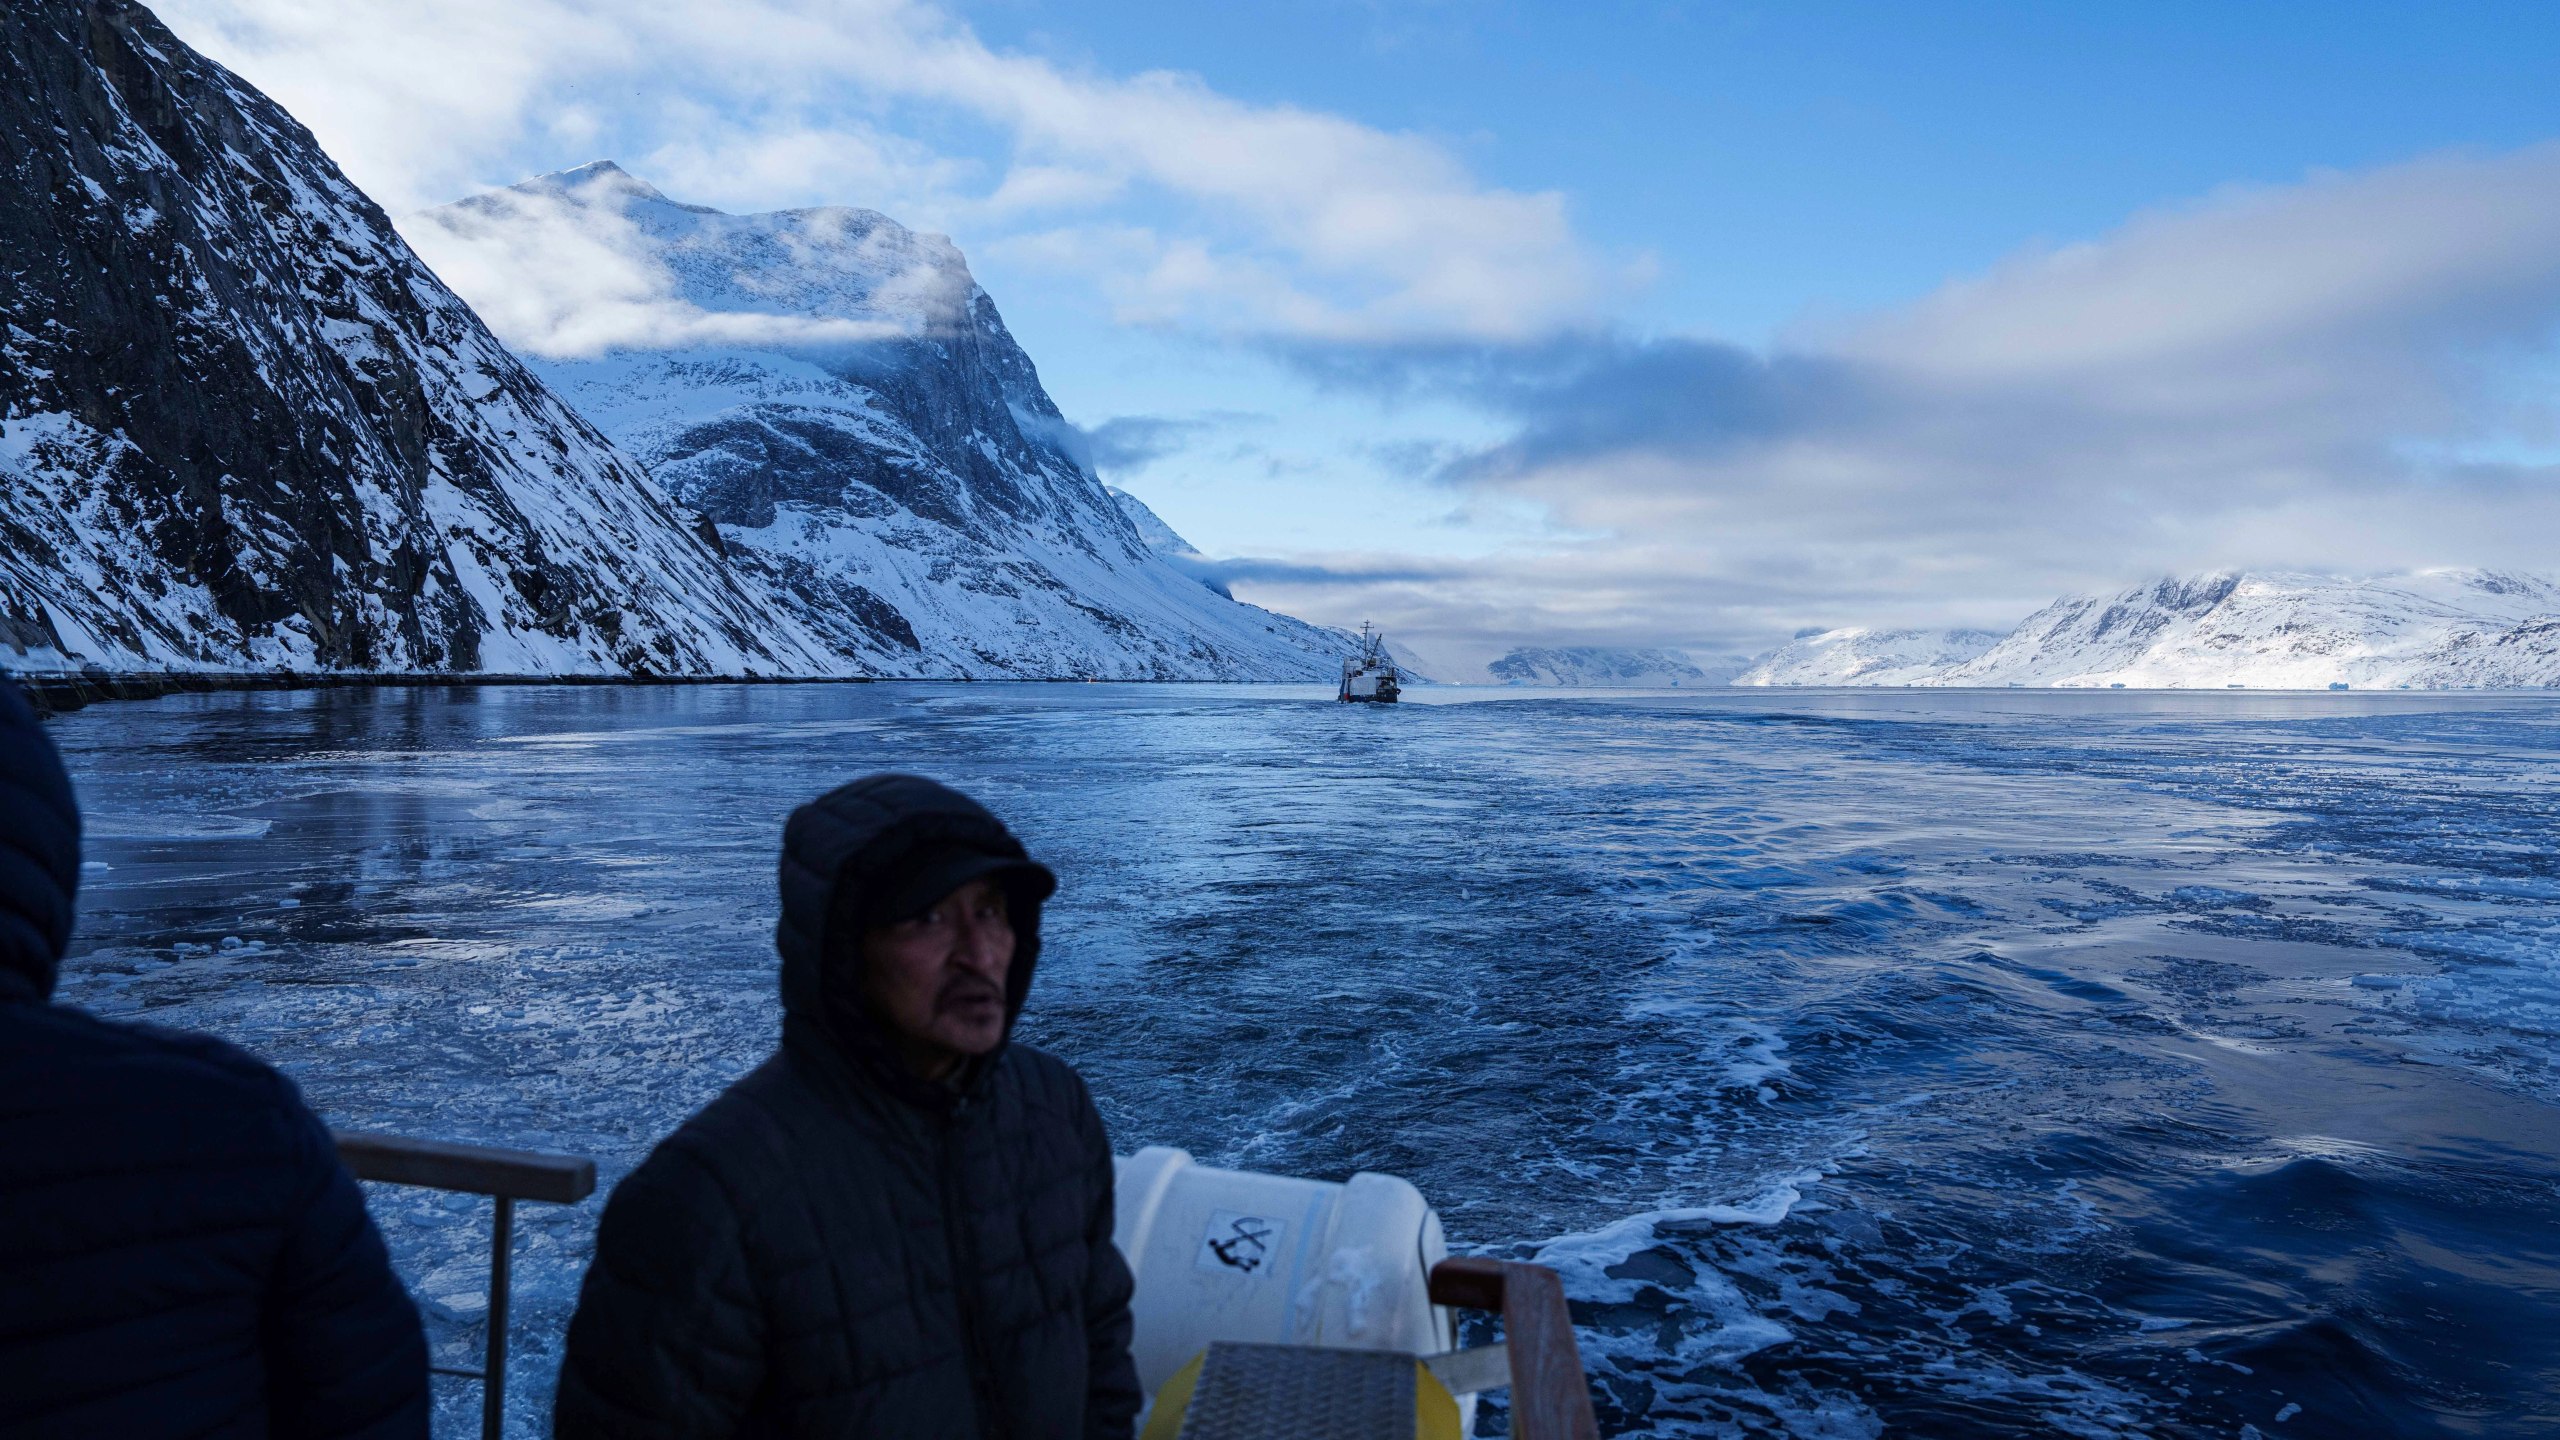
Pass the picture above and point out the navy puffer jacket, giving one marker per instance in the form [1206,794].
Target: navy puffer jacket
[835,1249]
[181,1254]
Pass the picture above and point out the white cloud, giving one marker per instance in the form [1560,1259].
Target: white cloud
[557,277]
[1274,219]
[2330,375]
[411,99]
[2435,247]
[718,161]
[1033,188]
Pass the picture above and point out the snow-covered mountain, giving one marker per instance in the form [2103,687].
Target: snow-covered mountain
[839,397]
[241,426]
[1856,655]
[1600,666]
[2431,630]
[1151,528]
[2435,629]
[1181,554]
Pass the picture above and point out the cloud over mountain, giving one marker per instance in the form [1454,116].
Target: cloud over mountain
[2351,371]
[2319,375]
[1189,208]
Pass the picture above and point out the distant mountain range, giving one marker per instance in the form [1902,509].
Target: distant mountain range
[2436,629]
[1855,655]
[243,427]
[1600,667]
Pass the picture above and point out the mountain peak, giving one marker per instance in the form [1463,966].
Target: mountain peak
[598,181]
[825,264]
[836,394]
[2288,630]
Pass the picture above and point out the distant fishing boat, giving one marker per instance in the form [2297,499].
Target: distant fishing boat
[1369,675]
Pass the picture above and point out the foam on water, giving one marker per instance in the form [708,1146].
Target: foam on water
[1872,1063]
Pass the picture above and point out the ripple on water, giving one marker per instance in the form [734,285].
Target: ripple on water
[1983,1065]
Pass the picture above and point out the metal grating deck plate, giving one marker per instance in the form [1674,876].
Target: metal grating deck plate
[1299,1392]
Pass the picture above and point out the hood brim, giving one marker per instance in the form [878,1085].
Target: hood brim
[839,847]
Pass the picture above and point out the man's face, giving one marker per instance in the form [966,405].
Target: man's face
[938,980]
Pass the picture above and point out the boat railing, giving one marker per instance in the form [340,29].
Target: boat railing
[1537,1356]
[505,1176]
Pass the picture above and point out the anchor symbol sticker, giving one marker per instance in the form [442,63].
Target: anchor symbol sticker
[1238,1243]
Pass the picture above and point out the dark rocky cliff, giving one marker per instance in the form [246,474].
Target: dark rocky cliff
[242,426]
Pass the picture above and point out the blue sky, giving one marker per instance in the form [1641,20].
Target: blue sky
[1684,324]
[1786,157]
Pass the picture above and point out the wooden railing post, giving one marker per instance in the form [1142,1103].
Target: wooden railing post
[1550,1395]
[506,1176]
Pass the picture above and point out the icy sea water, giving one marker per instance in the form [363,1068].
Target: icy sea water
[1908,1063]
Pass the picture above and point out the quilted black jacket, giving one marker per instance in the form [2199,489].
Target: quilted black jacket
[835,1248]
[181,1253]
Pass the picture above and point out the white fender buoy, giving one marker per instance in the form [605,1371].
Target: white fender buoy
[1274,1260]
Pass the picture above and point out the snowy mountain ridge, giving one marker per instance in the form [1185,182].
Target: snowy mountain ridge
[1857,655]
[243,427]
[1600,667]
[1181,554]
[2434,629]
[1151,528]
[838,396]
[2425,630]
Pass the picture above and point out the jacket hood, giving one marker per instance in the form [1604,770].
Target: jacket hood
[39,852]
[837,852]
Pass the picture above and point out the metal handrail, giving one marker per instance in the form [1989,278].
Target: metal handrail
[1550,1394]
[506,1176]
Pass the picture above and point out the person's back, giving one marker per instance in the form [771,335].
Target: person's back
[181,1254]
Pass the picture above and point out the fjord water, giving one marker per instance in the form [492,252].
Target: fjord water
[2007,1063]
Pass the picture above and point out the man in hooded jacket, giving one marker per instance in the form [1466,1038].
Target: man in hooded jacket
[900,1224]
[181,1254]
